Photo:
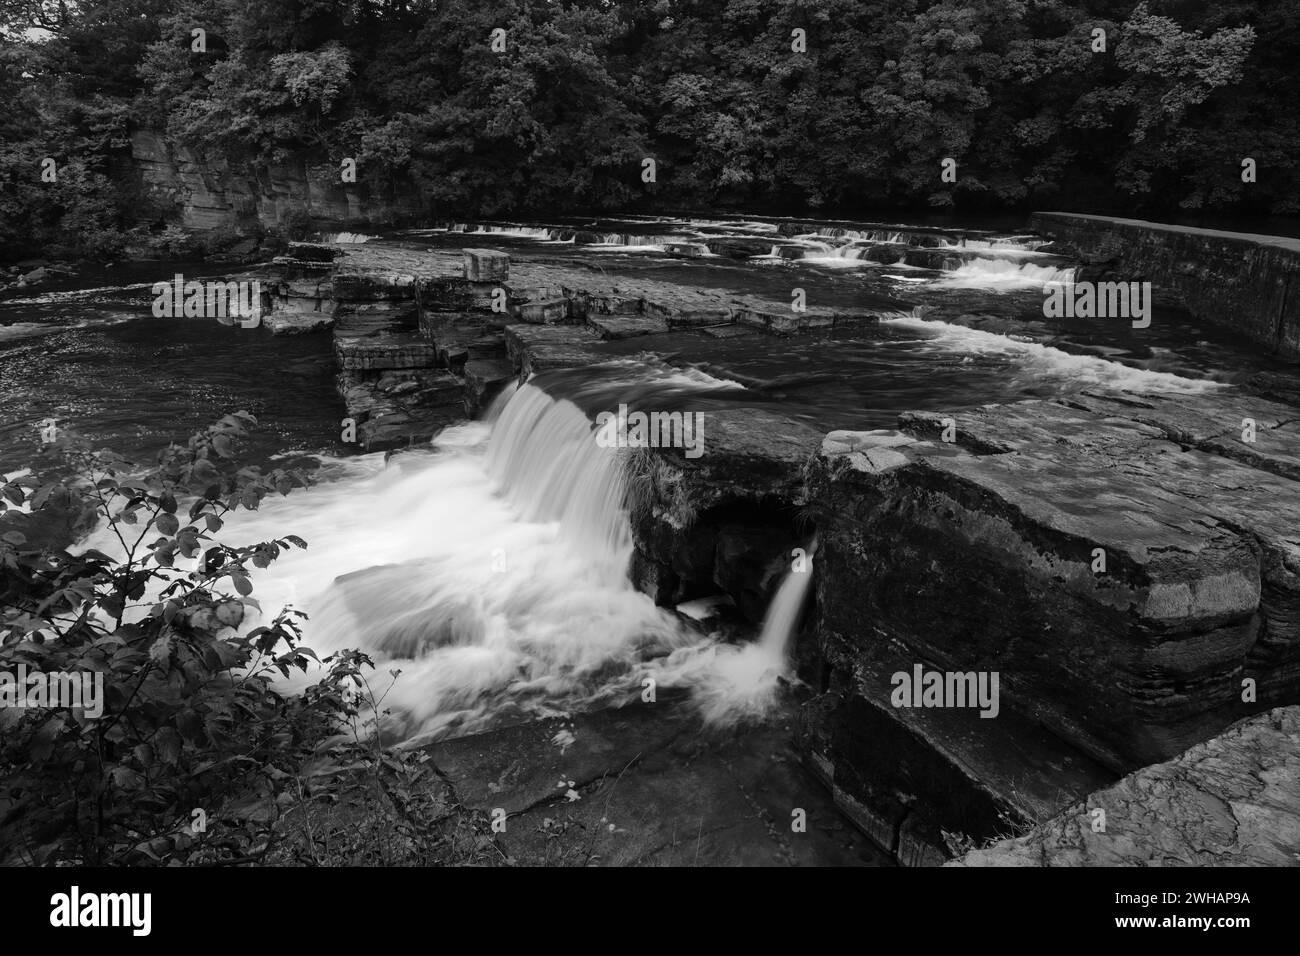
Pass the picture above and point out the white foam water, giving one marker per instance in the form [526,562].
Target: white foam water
[518,232]
[71,295]
[347,238]
[27,330]
[491,571]
[733,683]
[1012,247]
[998,274]
[1034,361]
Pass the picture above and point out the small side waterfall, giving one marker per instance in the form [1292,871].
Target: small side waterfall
[734,683]
[782,618]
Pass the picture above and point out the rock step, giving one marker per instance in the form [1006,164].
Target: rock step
[584,303]
[292,322]
[906,774]
[651,787]
[683,312]
[370,287]
[534,348]
[484,379]
[1217,428]
[544,311]
[310,287]
[728,331]
[997,548]
[398,408]
[363,319]
[766,318]
[452,294]
[739,247]
[491,345]
[384,351]
[627,326]
[686,250]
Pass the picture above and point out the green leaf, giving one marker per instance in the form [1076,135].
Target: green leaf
[167,523]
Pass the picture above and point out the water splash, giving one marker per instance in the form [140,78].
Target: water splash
[491,572]
[734,683]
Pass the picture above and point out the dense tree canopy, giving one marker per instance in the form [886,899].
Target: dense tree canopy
[826,106]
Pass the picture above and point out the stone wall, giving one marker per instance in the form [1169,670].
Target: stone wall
[1244,282]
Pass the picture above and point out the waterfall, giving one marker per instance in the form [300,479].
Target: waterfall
[1018,247]
[516,231]
[543,460]
[349,238]
[782,618]
[734,683]
[870,235]
[638,241]
[490,570]
[1001,274]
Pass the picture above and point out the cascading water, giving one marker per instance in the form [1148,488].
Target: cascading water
[515,231]
[491,572]
[1001,274]
[732,683]
[782,618]
[346,238]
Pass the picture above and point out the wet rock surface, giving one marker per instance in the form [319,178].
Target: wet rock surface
[1233,800]
[646,785]
[726,521]
[1124,563]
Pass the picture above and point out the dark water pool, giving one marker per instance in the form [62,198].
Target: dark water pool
[89,354]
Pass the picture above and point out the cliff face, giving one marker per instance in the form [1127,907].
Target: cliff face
[211,195]
[1245,282]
